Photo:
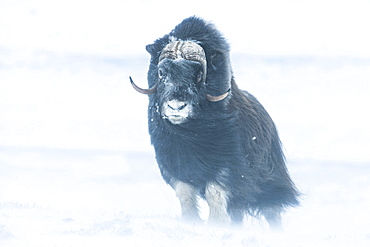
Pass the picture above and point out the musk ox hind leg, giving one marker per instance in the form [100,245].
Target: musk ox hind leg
[187,195]
[217,199]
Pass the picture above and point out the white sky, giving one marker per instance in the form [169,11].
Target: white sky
[116,27]
[319,109]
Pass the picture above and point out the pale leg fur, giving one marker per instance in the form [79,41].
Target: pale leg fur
[217,199]
[273,217]
[187,195]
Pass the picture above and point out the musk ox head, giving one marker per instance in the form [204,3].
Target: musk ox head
[184,72]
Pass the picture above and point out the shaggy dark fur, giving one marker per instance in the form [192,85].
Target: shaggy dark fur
[233,142]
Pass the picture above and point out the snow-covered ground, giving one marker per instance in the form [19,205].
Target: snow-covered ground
[76,165]
[52,197]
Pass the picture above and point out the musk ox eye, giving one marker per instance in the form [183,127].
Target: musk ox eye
[160,74]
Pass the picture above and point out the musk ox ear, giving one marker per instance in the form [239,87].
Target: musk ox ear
[151,49]
[154,51]
[217,60]
[156,48]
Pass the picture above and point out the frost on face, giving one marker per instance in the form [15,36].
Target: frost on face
[176,111]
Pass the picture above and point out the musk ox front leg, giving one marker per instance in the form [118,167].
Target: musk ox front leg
[187,195]
[273,217]
[217,199]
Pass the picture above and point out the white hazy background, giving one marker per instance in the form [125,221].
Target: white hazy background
[76,165]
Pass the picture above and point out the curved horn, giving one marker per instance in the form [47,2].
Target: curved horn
[151,90]
[188,50]
[218,97]
[171,51]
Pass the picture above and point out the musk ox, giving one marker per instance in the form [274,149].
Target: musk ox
[212,139]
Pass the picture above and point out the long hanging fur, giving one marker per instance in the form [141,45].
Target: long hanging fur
[233,142]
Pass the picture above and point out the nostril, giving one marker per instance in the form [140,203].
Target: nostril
[176,105]
[182,106]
